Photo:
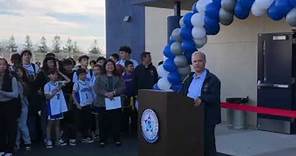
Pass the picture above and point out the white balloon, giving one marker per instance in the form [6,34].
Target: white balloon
[263,4]
[164,84]
[257,11]
[176,35]
[181,22]
[162,72]
[180,61]
[164,58]
[200,42]
[291,17]
[202,4]
[197,20]
[198,32]
[176,48]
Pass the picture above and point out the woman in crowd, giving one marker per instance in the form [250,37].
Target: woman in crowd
[108,86]
[69,123]
[49,64]
[9,109]
[23,130]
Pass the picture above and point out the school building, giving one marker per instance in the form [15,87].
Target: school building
[232,54]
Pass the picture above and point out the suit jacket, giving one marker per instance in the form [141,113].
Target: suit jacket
[210,97]
[101,87]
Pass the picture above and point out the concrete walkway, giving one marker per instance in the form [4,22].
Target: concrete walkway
[254,142]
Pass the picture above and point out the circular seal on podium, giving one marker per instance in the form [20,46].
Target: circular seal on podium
[150,126]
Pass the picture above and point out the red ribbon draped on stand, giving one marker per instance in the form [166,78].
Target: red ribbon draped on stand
[259,110]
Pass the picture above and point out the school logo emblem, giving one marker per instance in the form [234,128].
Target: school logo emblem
[150,126]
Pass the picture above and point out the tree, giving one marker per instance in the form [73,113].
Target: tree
[11,46]
[43,48]
[56,45]
[28,45]
[76,48]
[2,46]
[69,46]
[95,48]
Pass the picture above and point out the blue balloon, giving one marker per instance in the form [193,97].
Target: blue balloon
[194,8]
[188,46]
[212,10]
[167,51]
[186,33]
[174,78]
[246,4]
[212,26]
[240,12]
[155,87]
[283,6]
[293,2]
[274,13]
[218,2]
[187,19]
[169,65]
[177,88]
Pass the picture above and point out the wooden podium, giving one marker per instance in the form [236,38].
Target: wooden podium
[181,125]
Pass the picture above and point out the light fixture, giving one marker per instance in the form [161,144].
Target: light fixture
[127,18]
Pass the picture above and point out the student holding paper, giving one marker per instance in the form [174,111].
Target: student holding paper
[56,106]
[109,87]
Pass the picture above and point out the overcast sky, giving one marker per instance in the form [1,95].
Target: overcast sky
[81,20]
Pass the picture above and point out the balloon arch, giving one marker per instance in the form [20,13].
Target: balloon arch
[205,19]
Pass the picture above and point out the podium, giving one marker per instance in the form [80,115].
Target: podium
[178,125]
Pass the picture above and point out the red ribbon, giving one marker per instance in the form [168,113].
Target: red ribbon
[259,110]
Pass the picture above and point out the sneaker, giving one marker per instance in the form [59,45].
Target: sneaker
[61,142]
[102,144]
[84,140]
[28,147]
[49,144]
[16,148]
[7,154]
[118,143]
[89,140]
[72,142]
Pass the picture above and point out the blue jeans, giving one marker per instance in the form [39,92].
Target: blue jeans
[23,130]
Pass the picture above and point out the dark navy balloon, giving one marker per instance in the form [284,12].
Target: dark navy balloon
[167,52]
[186,33]
[188,46]
[174,78]
[169,65]
[187,19]
[212,26]
[240,12]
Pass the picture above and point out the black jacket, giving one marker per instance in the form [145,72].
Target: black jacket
[210,97]
[145,77]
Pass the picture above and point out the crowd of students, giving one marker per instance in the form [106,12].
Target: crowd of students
[63,103]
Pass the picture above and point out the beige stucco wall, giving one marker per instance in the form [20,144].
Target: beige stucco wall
[231,55]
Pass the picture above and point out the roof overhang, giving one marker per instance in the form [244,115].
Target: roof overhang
[185,4]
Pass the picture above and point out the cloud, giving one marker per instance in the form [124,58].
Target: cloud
[81,20]
[5,12]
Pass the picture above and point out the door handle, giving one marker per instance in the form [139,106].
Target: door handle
[284,86]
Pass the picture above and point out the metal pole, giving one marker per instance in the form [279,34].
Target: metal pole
[177,8]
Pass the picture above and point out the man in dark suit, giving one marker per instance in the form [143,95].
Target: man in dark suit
[204,88]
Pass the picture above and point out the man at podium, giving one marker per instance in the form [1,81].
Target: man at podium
[204,88]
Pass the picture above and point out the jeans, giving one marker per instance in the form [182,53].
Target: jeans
[23,130]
